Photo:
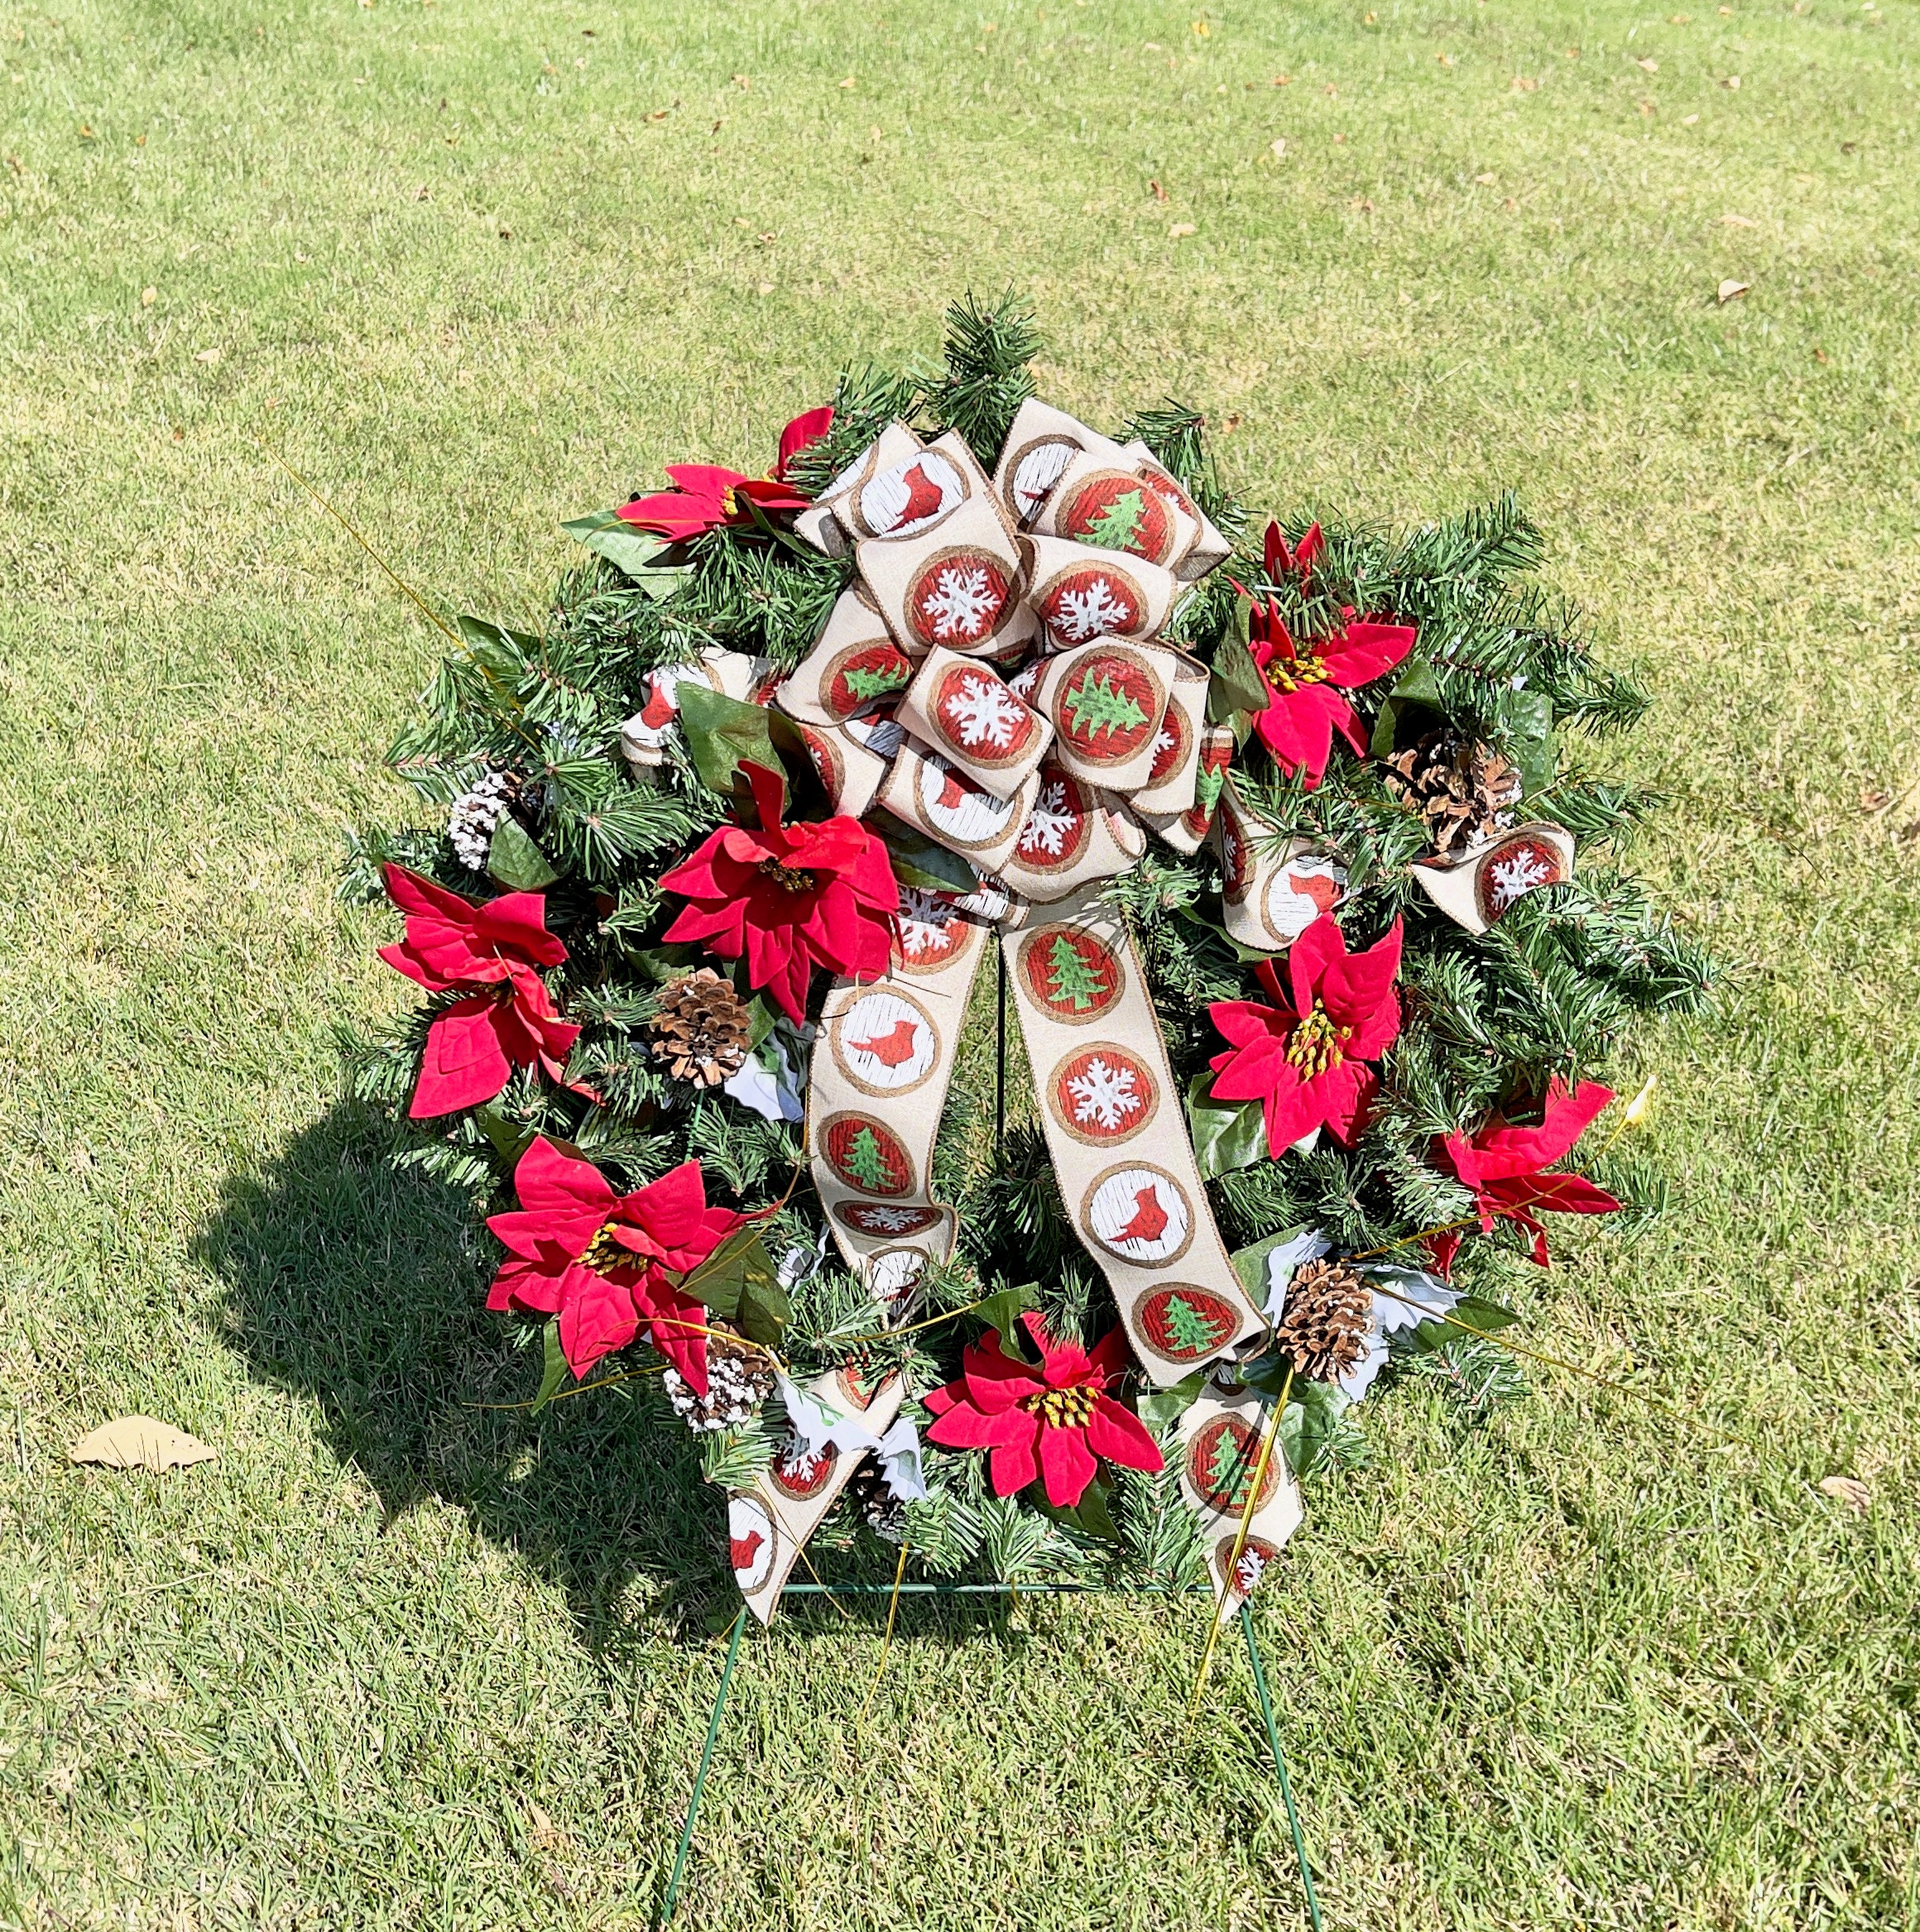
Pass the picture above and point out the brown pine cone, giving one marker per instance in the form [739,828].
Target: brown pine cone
[1462,787]
[702,1030]
[739,1380]
[1323,1325]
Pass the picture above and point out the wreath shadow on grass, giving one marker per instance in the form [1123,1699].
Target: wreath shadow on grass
[363,1287]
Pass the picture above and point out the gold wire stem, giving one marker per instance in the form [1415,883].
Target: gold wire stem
[900,1571]
[1246,1515]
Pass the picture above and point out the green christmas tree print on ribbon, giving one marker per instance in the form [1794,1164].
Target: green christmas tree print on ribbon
[1190,1331]
[867,1163]
[1096,706]
[1115,525]
[1070,980]
[877,681]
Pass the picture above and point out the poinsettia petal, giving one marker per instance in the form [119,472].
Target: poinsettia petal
[1251,1073]
[1245,1022]
[561,1185]
[1011,1469]
[464,1063]
[704,479]
[1560,1194]
[1441,1250]
[1346,720]
[995,1379]
[1340,1096]
[936,1401]
[1121,1437]
[1502,1150]
[1109,1356]
[1067,1466]
[964,1426]
[596,1316]
[1313,955]
[806,429]
[403,961]
[1373,1035]
[675,1326]
[1290,1113]
[1366,651]
[518,921]
[1297,731]
[524,1284]
[770,493]
[831,927]
[1356,984]
[665,1214]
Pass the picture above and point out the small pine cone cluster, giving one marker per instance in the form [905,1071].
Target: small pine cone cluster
[739,1380]
[702,1030]
[882,1510]
[1323,1326]
[475,816]
[1463,789]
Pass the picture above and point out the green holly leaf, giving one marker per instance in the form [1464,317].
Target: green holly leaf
[738,1283]
[1413,690]
[1093,1515]
[552,1365]
[723,734]
[917,860]
[510,1140]
[1249,1263]
[1001,1312]
[1487,1317]
[1533,750]
[1227,1135]
[634,552]
[1236,684]
[1308,1426]
[515,860]
[1160,1408]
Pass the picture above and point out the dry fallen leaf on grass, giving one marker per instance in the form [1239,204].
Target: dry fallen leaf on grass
[1180,230]
[1848,1489]
[1649,66]
[1738,221]
[1728,289]
[138,1442]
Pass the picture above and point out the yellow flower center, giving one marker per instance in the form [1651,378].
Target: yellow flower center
[1063,1408]
[729,502]
[1289,675]
[788,878]
[1316,1045]
[603,1253]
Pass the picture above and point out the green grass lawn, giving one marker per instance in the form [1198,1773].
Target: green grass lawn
[396,1661]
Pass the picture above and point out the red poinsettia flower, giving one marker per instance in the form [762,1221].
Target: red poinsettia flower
[603,1262]
[1304,1059]
[491,953]
[1053,1422]
[790,898]
[1505,1167]
[1305,682]
[705,496]
[1281,562]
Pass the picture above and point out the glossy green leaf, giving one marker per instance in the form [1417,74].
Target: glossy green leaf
[1250,1263]
[1413,689]
[515,860]
[1532,749]
[723,734]
[636,552]
[1160,1408]
[917,860]
[1001,1312]
[1236,684]
[1226,1135]
[552,1365]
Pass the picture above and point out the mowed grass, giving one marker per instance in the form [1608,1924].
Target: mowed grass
[395,1661]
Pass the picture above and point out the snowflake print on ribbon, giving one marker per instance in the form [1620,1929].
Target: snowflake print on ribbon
[1103,1094]
[1056,831]
[957,599]
[867,1217]
[1511,871]
[931,932]
[981,718]
[800,1472]
[1088,601]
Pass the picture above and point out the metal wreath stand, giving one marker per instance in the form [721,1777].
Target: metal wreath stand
[670,1899]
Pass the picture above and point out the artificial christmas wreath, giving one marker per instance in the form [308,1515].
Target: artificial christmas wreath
[1275,830]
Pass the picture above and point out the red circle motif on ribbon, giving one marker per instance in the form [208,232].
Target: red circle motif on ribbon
[867,1155]
[958,598]
[1182,1323]
[1513,869]
[865,675]
[1058,826]
[981,719]
[1071,975]
[1170,744]
[799,1471]
[880,1218]
[1220,1460]
[1118,511]
[1109,707]
[1087,600]
[1102,1095]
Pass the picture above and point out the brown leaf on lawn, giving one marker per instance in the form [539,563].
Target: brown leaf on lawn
[1728,289]
[1181,230]
[1158,191]
[1848,1489]
[138,1442]
[1648,66]
[1522,83]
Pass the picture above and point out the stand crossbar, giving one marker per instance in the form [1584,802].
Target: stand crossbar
[671,1898]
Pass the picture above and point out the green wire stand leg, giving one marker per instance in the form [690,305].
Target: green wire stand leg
[1260,1684]
[673,1890]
